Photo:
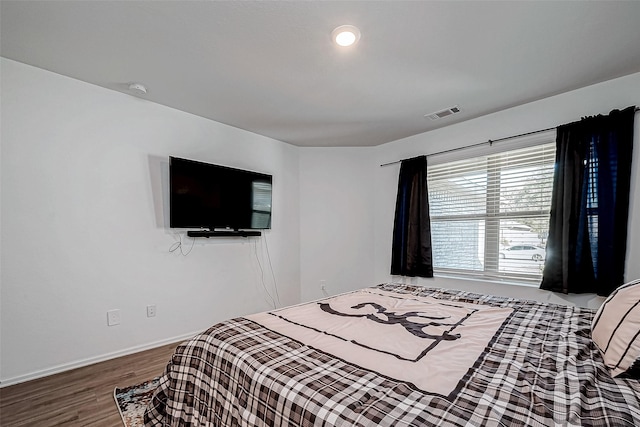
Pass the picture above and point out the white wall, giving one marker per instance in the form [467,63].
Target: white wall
[336,211]
[549,112]
[83,208]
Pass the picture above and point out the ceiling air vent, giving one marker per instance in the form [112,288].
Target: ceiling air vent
[443,113]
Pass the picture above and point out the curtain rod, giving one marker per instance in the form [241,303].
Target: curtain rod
[490,142]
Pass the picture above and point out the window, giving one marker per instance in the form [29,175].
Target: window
[490,214]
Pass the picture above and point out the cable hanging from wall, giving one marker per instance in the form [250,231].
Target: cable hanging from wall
[178,245]
[273,300]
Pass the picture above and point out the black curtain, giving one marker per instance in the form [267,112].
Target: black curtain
[589,207]
[411,251]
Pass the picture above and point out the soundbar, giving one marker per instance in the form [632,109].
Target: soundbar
[224,233]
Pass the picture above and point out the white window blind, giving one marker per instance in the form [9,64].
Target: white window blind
[490,214]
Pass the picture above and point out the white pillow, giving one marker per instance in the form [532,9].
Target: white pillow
[616,330]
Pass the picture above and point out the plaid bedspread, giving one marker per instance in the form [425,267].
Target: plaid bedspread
[540,369]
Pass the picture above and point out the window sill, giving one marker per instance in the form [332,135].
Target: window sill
[492,280]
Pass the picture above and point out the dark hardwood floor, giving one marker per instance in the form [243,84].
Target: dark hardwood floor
[81,397]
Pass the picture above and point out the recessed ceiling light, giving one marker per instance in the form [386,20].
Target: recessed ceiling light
[345,35]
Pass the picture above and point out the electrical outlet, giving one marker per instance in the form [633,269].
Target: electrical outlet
[323,285]
[151,311]
[113,317]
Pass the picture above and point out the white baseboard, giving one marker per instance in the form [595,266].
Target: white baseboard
[5,382]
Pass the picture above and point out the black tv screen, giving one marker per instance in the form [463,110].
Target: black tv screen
[203,195]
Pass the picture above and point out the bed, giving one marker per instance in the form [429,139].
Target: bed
[397,355]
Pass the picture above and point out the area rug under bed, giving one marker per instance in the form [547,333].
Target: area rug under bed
[133,400]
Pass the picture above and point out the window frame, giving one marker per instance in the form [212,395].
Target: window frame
[493,216]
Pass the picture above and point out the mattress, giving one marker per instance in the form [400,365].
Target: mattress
[397,355]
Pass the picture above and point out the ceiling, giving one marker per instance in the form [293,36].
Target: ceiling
[270,67]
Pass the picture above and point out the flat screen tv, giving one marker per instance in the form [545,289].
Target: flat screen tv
[204,195]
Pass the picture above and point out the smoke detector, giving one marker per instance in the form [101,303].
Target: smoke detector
[138,88]
[443,113]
